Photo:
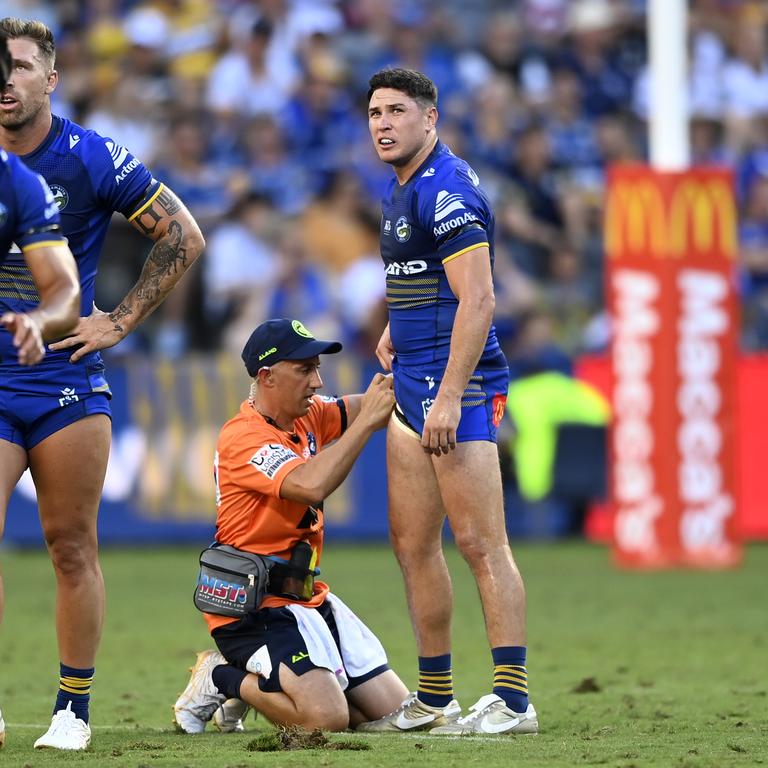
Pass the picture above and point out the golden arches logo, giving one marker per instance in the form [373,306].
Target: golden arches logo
[635,220]
[700,217]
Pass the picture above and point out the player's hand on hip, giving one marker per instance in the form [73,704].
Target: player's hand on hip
[27,337]
[92,333]
[439,434]
[378,400]
[384,350]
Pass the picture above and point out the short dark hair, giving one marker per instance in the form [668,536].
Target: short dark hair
[5,62]
[418,86]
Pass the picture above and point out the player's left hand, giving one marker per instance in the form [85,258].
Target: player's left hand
[92,333]
[439,434]
[27,337]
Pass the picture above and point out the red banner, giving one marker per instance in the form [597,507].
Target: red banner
[671,243]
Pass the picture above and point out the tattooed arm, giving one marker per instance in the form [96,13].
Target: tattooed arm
[177,244]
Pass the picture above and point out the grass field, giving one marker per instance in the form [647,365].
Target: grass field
[625,669]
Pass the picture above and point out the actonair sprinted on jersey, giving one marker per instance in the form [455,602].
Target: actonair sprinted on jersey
[90,177]
[28,214]
[440,213]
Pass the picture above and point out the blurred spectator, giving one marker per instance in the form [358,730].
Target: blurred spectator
[341,226]
[593,54]
[532,215]
[745,82]
[239,268]
[245,81]
[302,288]
[753,263]
[268,167]
[185,165]
[320,123]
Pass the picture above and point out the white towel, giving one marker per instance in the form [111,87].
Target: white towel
[361,650]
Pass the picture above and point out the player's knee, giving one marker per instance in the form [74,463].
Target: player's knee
[71,554]
[327,718]
[475,550]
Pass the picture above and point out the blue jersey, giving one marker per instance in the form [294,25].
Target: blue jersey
[440,213]
[29,216]
[91,177]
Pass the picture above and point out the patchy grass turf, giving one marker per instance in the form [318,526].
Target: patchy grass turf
[626,669]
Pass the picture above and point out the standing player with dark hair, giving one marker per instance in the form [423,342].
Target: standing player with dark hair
[451,380]
[60,423]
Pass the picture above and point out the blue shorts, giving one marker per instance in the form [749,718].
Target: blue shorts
[482,404]
[38,400]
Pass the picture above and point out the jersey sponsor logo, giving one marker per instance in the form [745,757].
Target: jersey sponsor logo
[69,396]
[402,230]
[406,267]
[270,457]
[73,140]
[448,203]
[60,196]
[3,214]
[429,172]
[459,221]
[126,169]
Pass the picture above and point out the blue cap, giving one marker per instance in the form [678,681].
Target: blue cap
[282,339]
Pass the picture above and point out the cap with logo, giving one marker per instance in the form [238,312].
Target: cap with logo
[282,339]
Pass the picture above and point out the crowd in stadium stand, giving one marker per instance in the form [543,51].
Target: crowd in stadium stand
[254,112]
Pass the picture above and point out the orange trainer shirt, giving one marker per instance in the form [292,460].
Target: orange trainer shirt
[253,458]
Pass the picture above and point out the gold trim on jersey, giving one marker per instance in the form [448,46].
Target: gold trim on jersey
[16,282]
[146,205]
[41,244]
[405,294]
[464,250]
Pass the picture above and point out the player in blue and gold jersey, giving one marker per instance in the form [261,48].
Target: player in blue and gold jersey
[29,224]
[450,380]
[60,423]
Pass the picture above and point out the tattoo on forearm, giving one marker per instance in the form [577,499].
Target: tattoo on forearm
[121,312]
[168,256]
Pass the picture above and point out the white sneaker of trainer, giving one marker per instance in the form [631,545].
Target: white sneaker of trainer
[200,699]
[490,715]
[413,715]
[2,730]
[228,718]
[67,731]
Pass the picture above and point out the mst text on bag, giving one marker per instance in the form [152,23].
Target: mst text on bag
[231,582]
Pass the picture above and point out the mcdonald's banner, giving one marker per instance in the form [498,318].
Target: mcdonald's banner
[671,244]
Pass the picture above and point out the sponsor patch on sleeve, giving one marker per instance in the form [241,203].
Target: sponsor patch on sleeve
[270,457]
